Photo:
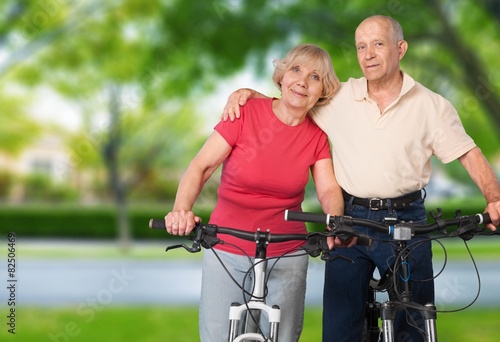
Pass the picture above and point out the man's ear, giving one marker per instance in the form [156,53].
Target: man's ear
[402,47]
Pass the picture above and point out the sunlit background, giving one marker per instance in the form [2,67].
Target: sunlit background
[104,103]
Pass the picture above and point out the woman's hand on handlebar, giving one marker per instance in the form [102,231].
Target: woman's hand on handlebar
[181,222]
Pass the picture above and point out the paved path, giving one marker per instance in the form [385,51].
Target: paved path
[90,283]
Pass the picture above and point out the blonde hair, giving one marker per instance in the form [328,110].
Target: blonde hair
[318,59]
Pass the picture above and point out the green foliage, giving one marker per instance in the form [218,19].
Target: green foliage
[40,187]
[164,55]
[76,221]
[467,206]
[15,121]
[6,183]
[99,222]
[59,221]
[154,188]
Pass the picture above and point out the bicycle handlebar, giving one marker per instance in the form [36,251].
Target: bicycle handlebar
[206,235]
[213,230]
[466,224]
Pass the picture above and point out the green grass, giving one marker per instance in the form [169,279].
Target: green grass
[481,248]
[179,324]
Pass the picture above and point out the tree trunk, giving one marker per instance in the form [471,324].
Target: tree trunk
[476,78]
[111,151]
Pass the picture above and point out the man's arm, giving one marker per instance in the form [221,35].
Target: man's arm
[237,99]
[483,175]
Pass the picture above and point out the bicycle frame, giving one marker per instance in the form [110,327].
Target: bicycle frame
[341,226]
[401,232]
[205,236]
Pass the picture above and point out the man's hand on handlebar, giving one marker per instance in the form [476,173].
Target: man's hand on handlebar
[235,100]
[493,208]
[338,243]
[180,222]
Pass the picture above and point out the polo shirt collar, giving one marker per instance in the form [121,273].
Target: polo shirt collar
[360,88]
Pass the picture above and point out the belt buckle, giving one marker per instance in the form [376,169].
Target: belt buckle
[372,204]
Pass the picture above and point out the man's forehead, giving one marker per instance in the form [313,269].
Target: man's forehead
[373,30]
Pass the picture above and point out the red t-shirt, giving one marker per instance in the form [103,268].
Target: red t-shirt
[265,174]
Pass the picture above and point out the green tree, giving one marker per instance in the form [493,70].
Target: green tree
[98,61]
[144,63]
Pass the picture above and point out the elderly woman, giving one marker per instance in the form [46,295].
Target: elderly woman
[266,161]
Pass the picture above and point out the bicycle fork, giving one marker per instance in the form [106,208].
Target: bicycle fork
[389,309]
[254,307]
[388,312]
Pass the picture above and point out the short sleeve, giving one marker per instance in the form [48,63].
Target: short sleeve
[231,130]
[450,138]
[323,147]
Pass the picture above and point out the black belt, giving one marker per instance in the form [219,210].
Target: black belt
[376,203]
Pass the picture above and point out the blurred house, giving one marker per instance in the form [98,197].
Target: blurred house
[48,158]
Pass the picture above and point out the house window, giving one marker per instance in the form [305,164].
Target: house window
[41,166]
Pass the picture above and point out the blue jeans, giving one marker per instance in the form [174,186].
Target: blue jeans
[286,287]
[346,284]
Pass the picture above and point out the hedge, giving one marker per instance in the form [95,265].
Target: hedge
[73,221]
[78,221]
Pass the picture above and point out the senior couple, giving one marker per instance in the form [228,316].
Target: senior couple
[383,128]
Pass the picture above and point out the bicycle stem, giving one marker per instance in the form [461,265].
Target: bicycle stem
[261,263]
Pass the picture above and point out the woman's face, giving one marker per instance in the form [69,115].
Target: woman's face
[301,87]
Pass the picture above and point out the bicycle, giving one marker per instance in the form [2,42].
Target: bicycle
[396,280]
[205,235]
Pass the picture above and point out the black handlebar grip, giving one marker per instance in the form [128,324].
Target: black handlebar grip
[157,224]
[485,218]
[306,217]
[364,241]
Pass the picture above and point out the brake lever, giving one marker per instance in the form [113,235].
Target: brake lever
[193,249]
[467,230]
[325,250]
[326,257]
[205,238]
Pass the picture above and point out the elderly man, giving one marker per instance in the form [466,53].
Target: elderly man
[384,128]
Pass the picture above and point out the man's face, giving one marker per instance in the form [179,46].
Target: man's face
[378,53]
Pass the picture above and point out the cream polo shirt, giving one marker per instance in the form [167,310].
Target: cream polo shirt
[388,154]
